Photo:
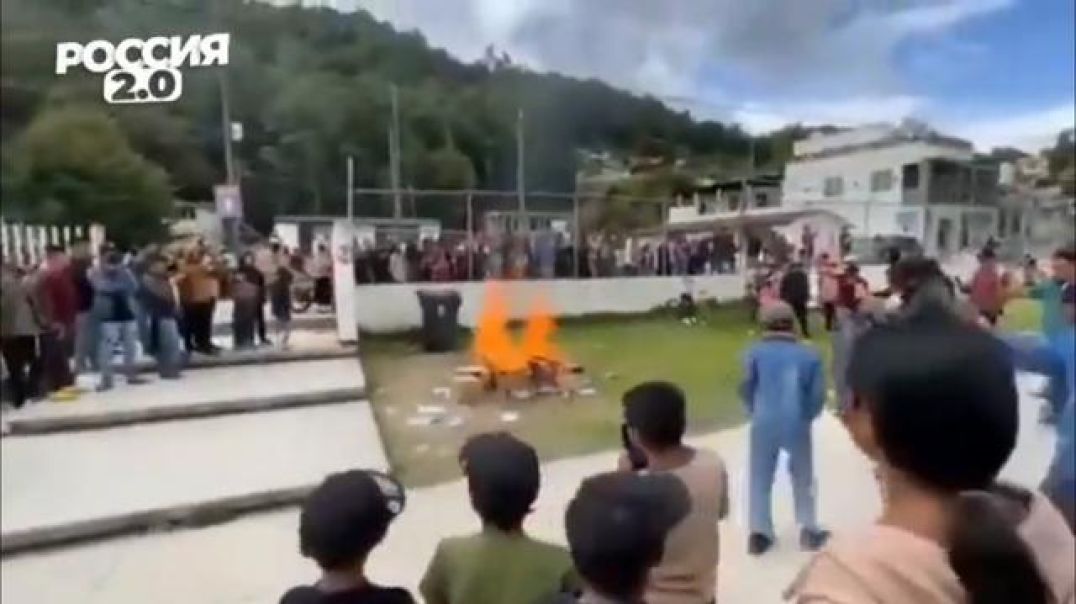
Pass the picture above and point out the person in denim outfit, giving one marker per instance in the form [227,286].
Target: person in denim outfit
[158,302]
[114,308]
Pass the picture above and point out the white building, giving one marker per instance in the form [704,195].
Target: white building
[897,180]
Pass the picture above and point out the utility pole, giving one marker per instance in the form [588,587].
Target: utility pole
[350,190]
[521,183]
[230,224]
[394,152]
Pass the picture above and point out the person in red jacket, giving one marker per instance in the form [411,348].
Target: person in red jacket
[989,286]
[58,299]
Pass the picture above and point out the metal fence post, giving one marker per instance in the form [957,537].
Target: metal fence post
[575,235]
[470,238]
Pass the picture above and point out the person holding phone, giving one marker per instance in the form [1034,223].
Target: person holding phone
[655,420]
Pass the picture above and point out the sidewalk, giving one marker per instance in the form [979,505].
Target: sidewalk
[199,393]
[86,483]
[255,559]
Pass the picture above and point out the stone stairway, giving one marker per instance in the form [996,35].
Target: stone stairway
[253,430]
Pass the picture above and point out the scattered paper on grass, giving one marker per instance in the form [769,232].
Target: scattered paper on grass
[431,410]
[420,420]
[455,421]
[610,375]
[422,448]
[442,392]
[587,391]
[521,395]
[510,417]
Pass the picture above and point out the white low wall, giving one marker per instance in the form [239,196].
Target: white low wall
[389,308]
[394,308]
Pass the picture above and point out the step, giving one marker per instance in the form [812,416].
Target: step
[305,345]
[206,392]
[67,487]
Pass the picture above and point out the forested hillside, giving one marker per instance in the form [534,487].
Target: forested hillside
[310,87]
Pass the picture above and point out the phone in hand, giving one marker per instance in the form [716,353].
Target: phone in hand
[636,457]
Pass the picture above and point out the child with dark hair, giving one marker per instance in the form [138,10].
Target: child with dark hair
[655,416]
[617,526]
[935,407]
[342,521]
[501,563]
[784,390]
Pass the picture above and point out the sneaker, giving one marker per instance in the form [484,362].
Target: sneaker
[103,388]
[813,540]
[758,544]
[136,381]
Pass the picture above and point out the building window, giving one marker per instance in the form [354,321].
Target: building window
[761,200]
[881,180]
[833,186]
[911,176]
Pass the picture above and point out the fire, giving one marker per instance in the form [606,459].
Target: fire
[494,346]
[538,336]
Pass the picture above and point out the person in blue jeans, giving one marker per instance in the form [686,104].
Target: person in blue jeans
[114,308]
[158,301]
[784,390]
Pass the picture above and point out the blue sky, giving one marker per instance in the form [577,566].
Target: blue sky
[999,72]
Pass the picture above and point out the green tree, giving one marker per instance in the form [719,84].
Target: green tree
[74,165]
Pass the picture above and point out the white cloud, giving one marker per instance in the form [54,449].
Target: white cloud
[940,15]
[1031,131]
[804,47]
[807,61]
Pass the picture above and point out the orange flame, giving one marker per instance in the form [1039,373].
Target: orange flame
[538,336]
[494,346]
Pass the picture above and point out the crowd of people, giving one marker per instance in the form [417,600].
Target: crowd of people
[549,254]
[927,393]
[78,313]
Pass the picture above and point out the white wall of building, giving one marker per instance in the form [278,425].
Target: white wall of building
[805,179]
[819,142]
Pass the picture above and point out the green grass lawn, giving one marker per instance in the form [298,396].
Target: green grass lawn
[617,353]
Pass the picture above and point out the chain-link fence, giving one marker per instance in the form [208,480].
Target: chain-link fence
[412,235]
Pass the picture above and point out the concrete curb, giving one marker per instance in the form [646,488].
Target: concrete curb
[299,322]
[256,357]
[124,417]
[190,515]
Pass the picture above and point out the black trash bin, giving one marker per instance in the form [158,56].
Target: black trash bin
[440,319]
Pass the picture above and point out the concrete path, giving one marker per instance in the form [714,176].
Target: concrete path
[252,560]
[88,481]
[199,393]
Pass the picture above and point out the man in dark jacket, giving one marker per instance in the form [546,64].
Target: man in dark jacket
[796,291]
